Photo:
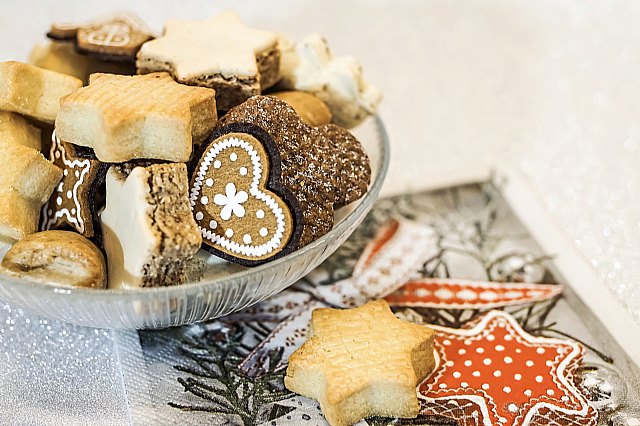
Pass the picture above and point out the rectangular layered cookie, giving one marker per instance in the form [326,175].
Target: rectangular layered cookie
[148,229]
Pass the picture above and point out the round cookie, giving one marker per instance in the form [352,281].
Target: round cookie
[56,257]
[310,108]
[241,208]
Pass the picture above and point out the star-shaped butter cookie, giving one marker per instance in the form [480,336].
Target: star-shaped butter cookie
[131,117]
[362,362]
[73,202]
[219,52]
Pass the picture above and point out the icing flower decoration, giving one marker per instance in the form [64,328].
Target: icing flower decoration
[232,202]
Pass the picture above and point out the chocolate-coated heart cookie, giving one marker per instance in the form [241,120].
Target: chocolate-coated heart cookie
[325,167]
[243,211]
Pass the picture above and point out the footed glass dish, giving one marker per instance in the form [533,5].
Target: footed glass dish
[218,288]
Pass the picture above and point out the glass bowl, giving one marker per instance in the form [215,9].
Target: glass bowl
[223,287]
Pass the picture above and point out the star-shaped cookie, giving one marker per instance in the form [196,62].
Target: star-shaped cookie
[219,52]
[73,202]
[310,66]
[362,362]
[144,116]
[495,373]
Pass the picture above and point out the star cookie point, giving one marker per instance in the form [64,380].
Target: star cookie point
[220,52]
[73,202]
[131,117]
[355,369]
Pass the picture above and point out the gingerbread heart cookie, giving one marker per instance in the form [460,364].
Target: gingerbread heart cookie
[243,211]
[325,167]
[73,202]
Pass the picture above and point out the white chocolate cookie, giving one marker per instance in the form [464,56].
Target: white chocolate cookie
[220,52]
[148,230]
[309,66]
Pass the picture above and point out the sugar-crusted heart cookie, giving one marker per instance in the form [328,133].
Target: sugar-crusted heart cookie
[144,116]
[362,362]
[220,52]
[242,210]
[324,167]
[74,201]
[310,66]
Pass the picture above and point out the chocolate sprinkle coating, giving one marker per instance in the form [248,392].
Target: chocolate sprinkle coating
[325,167]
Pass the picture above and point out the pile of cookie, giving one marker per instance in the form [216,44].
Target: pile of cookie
[213,135]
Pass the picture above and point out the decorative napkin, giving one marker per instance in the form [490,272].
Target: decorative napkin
[513,345]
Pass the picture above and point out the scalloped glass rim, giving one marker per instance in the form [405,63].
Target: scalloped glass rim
[51,292]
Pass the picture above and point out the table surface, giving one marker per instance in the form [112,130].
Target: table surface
[550,88]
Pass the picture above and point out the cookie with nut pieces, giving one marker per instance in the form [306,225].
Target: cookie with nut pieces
[362,362]
[148,231]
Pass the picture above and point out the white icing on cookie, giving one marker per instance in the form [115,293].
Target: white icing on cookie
[114,34]
[233,199]
[309,66]
[128,234]
[82,168]
[218,45]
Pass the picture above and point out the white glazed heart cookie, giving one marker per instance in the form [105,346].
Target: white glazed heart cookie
[243,212]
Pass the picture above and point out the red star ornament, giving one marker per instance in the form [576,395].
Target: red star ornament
[492,372]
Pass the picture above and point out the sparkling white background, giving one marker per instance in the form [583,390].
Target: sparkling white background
[548,86]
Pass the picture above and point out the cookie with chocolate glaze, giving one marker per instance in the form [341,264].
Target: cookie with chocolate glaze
[113,38]
[324,167]
[243,211]
[76,200]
